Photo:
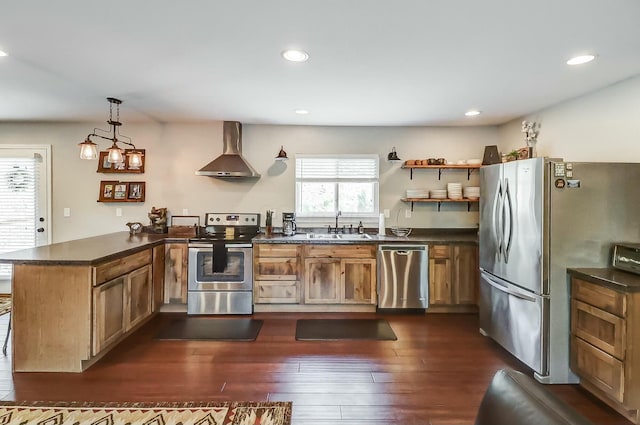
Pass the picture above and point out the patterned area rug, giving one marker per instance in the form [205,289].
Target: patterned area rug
[5,305]
[77,413]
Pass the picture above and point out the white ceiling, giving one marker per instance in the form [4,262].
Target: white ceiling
[373,62]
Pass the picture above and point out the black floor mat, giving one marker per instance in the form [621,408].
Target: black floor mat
[211,329]
[335,329]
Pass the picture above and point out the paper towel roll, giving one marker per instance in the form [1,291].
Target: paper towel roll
[381,225]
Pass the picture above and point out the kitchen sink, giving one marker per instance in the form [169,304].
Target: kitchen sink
[333,236]
[322,236]
[355,237]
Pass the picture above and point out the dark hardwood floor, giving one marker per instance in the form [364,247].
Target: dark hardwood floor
[436,372]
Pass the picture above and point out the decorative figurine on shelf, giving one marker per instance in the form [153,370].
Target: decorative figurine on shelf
[531,129]
[158,219]
[134,227]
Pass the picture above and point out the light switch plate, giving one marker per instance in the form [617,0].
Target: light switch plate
[185,211]
[118,212]
[407,213]
[387,213]
[67,212]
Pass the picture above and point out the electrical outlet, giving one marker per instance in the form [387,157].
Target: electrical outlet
[118,212]
[67,212]
[387,213]
[407,213]
[185,211]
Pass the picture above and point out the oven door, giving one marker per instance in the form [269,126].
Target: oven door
[237,275]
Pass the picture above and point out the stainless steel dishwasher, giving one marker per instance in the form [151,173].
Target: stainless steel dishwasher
[403,277]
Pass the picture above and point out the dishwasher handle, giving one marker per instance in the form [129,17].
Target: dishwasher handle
[402,248]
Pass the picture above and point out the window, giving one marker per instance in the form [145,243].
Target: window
[326,184]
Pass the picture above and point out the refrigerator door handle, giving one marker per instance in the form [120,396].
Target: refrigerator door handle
[508,206]
[506,290]
[497,219]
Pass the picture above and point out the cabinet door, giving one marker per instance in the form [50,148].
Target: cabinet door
[440,281]
[358,281]
[276,292]
[109,313]
[322,281]
[175,273]
[466,275]
[138,296]
[158,277]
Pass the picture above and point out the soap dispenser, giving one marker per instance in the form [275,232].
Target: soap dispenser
[360,228]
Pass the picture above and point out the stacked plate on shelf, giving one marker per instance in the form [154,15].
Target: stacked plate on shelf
[438,193]
[417,193]
[471,192]
[454,190]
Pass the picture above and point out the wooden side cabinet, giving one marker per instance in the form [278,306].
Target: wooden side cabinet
[138,297]
[453,278]
[176,256]
[276,271]
[158,277]
[109,309]
[605,330]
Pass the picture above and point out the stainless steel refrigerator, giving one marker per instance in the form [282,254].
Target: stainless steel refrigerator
[539,217]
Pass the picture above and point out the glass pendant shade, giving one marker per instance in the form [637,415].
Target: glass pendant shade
[134,159]
[88,150]
[115,155]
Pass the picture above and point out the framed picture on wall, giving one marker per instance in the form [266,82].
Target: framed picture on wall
[105,166]
[107,189]
[136,191]
[120,191]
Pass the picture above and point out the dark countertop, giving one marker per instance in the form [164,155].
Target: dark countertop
[98,249]
[439,236]
[618,280]
[87,251]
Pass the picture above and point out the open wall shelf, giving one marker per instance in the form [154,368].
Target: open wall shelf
[440,201]
[467,167]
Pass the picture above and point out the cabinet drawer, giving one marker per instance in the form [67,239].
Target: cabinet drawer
[601,329]
[276,268]
[599,368]
[275,250]
[115,268]
[341,251]
[277,292]
[439,251]
[599,296]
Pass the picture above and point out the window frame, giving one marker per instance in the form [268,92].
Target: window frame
[322,217]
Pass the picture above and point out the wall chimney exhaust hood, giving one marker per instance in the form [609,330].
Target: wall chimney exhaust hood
[230,164]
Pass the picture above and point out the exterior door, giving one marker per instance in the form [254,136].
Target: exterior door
[24,201]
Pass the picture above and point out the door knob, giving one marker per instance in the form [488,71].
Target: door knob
[40,229]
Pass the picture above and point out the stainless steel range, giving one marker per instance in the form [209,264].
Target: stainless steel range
[220,273]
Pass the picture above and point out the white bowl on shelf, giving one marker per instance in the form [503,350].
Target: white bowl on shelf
[474,161]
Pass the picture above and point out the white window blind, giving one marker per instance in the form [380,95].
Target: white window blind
[18,206]
[326,184]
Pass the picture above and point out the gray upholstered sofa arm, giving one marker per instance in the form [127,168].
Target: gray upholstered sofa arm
[515,399]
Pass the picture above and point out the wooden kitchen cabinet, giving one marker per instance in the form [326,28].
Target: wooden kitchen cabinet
[176,256]
[108,316]
[158,277]
[340,274]
[138,297]
[276,271]
[453,278]
[121,304]
[605,330]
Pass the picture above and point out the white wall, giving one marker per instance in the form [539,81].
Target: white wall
[601,126]
[174,151]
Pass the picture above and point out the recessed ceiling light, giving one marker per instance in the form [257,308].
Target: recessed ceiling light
[472,113]
[3,53]
[579,60]
[302,111]
[295,55]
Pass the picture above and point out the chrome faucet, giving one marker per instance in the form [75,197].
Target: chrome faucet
[338,214]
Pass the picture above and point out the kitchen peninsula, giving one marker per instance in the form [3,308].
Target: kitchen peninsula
[74,301]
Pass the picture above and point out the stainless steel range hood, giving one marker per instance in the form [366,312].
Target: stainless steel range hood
[230,164]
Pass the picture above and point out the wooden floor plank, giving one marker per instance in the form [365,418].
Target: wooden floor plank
[437,371]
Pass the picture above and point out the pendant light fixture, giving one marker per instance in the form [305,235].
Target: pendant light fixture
[116,155]
[282,155]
